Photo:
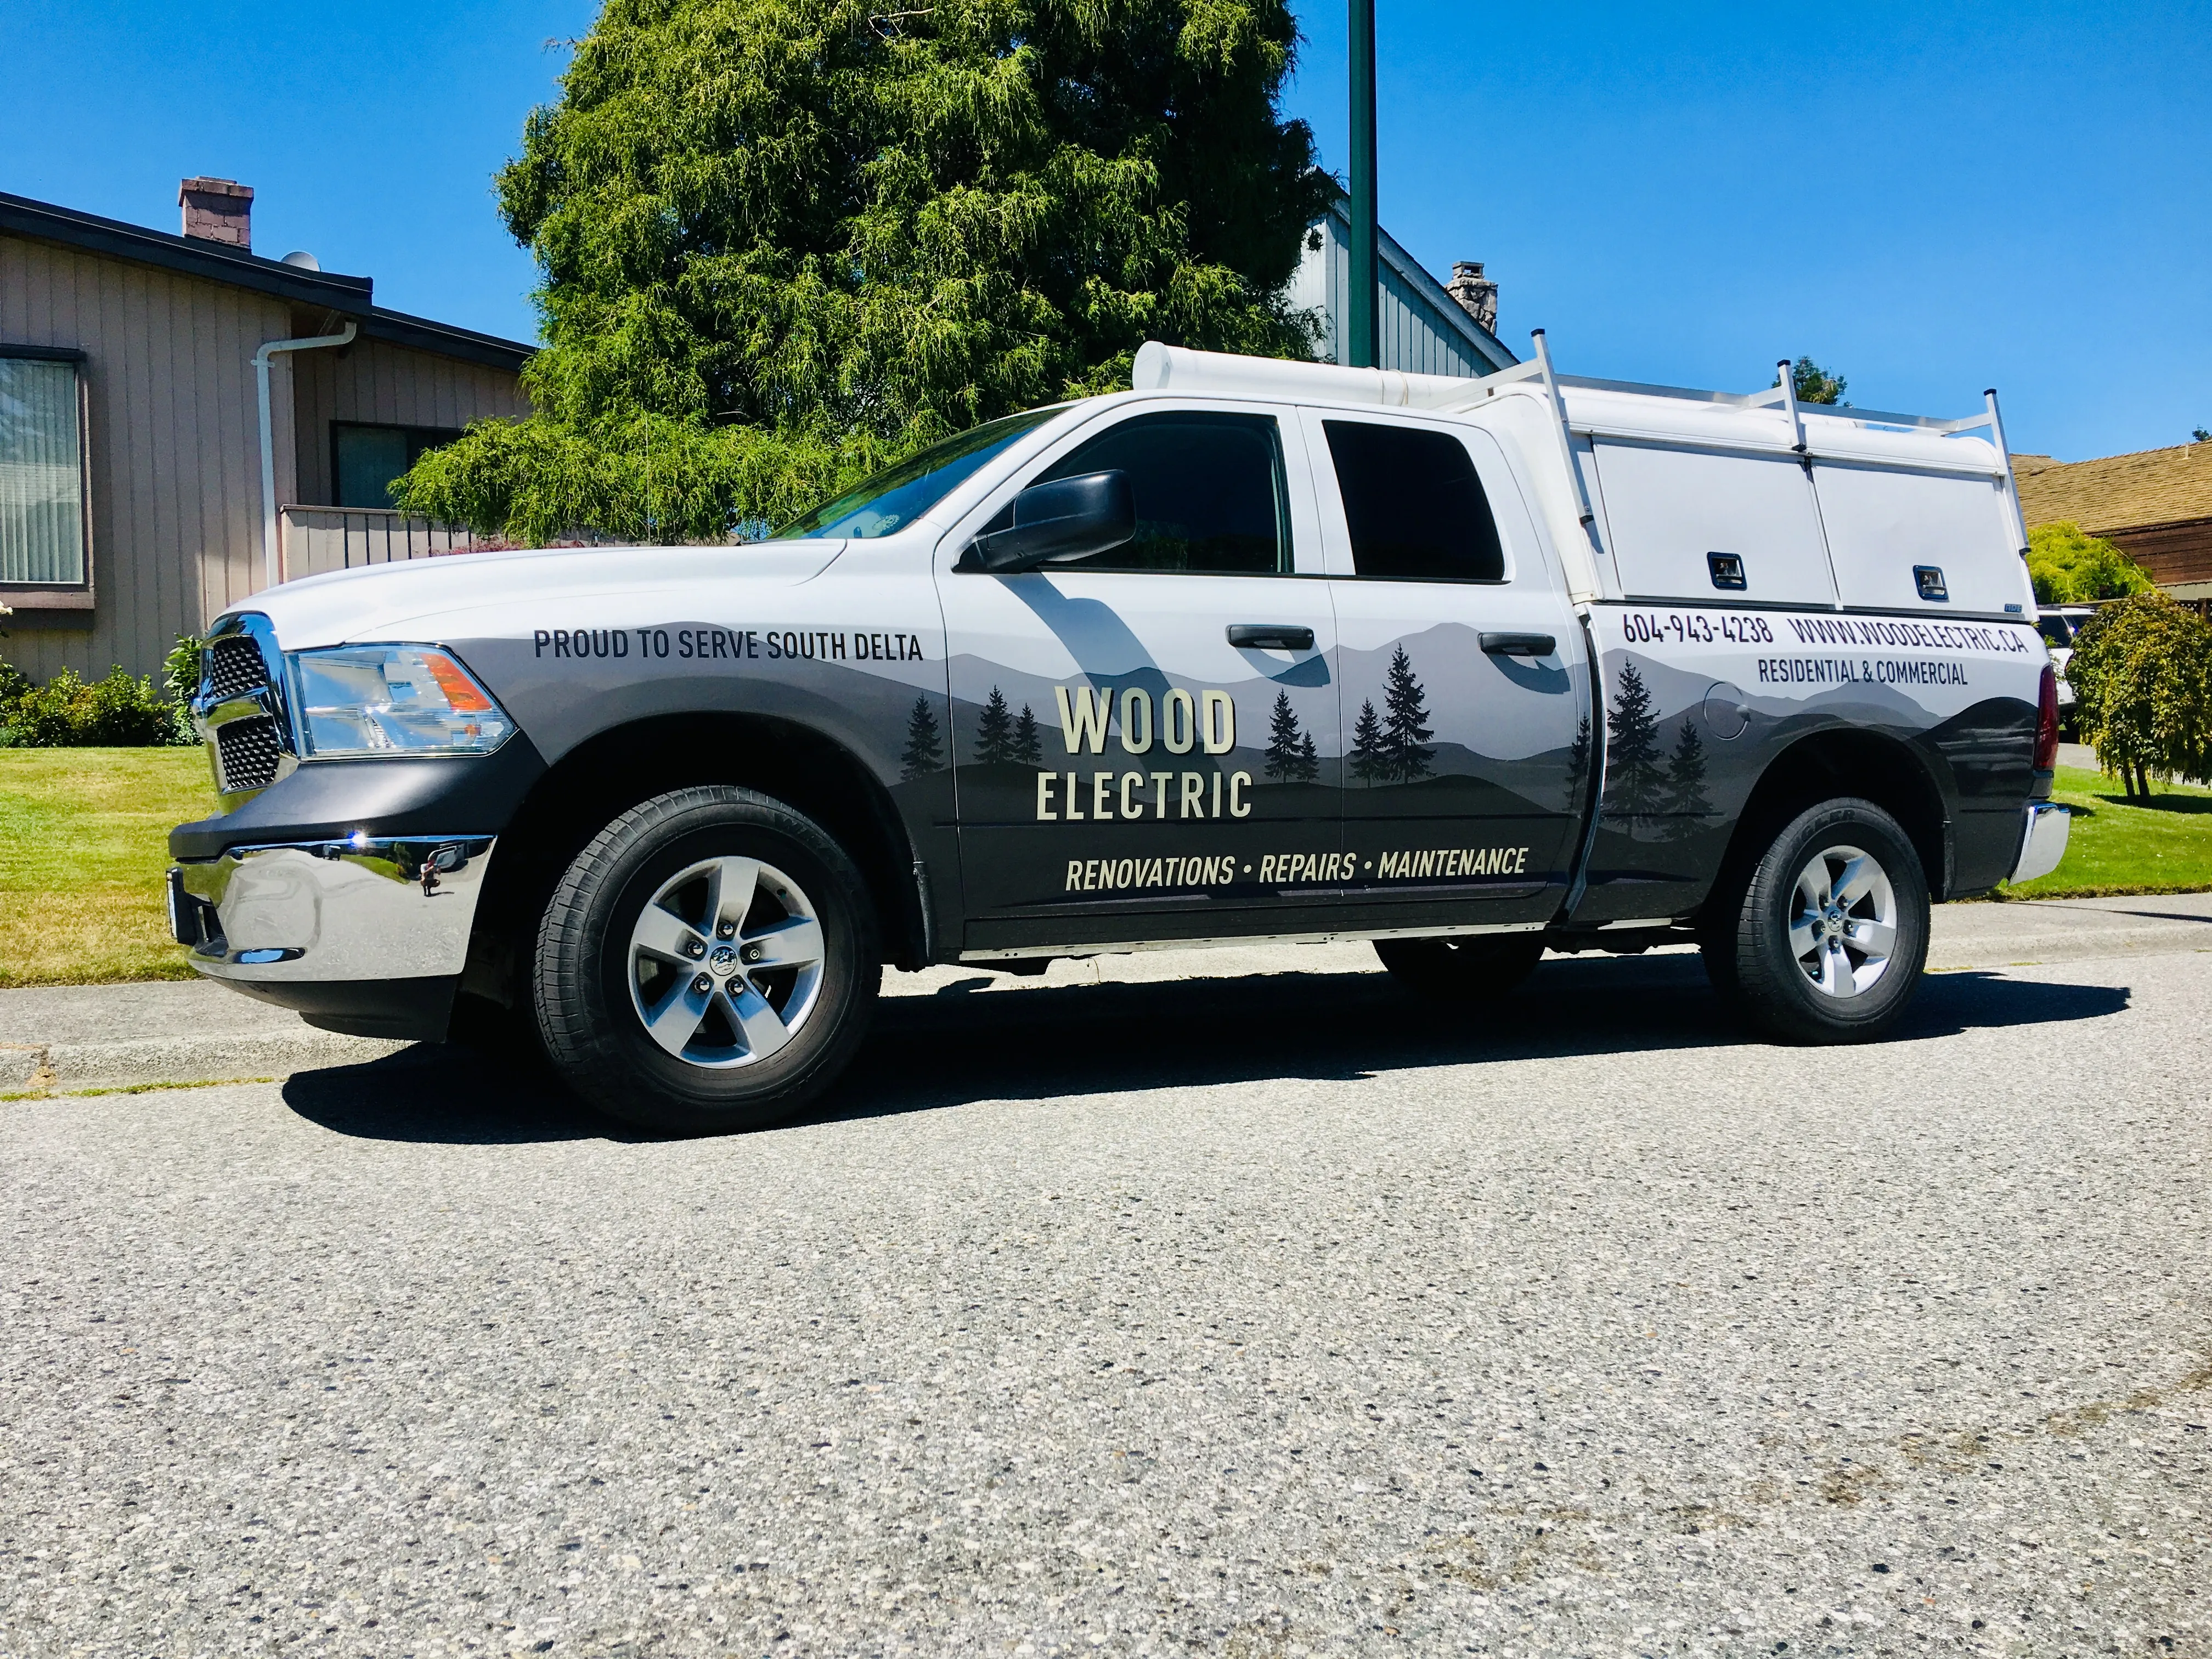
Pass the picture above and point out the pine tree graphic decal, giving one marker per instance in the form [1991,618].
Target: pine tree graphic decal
[1405,724]
[995,730]
[1028,749]
[1291,758]
[1633,777]
[1368,761]
[924,754]
[1578,760]
[1685,785]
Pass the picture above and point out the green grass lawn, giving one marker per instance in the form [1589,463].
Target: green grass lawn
[83,849]
[84,843]
[2162,844]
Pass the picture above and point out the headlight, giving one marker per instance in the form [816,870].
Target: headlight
[392,700]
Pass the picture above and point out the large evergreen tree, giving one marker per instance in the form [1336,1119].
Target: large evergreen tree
[1633,773]
[784,240]
[1405,721]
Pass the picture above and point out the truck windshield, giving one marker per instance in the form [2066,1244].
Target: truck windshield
[896,496]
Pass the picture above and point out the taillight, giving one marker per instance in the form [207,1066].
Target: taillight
[2046,721]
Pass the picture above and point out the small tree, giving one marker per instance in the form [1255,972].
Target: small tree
[1815,384]
[1578,760]
[924,754]
[2141,674]
[995,730]
[2068,566]
[1285,758]
[1685,802]
[1029,749]
[1368,764]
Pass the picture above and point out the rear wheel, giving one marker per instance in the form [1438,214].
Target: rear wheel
[1829,932]
[707,964]
[1459,970]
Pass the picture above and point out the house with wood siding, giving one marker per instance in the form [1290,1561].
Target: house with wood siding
[2155,505]
[132,500]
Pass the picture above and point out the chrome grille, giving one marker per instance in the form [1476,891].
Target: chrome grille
[234,668]
[246,753]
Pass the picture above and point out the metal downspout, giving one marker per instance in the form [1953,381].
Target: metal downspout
[272,570]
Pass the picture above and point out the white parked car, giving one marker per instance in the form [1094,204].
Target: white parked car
[2059,627]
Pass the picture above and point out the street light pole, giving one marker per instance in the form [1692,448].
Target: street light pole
[1361,319]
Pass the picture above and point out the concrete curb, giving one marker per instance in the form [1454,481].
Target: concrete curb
[64,1066]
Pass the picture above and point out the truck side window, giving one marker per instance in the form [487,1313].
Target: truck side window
[1414,504]
[1210,496]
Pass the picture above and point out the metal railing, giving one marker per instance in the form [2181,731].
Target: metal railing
[315,540]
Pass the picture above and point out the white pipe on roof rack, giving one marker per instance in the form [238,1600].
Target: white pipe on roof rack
[1161,367]
[2004,460]
[1788,382]
[1588,514]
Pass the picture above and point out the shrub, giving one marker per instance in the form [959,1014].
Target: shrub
[120,711]
[180,673]
[2141,674]
[2069,566]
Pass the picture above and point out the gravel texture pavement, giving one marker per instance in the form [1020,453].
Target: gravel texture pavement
[1234,1316]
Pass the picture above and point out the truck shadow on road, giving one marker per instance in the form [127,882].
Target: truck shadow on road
[1047,1042]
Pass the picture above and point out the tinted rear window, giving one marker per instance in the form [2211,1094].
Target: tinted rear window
[1415,508]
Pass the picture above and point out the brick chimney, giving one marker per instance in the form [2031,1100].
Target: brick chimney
[1476,293]
[218,210]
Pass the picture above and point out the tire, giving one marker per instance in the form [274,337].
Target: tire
[1830,929]
[759,1002]
[1462,969]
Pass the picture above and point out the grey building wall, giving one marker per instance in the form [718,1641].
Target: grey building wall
[171,449]
[171,460]
[386,384]
[1421,330]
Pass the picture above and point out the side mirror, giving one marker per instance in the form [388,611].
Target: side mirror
[1052,523]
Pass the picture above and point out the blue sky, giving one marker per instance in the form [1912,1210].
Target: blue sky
[1930,198]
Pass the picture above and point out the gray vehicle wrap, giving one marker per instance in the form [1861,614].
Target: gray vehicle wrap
[1091,758]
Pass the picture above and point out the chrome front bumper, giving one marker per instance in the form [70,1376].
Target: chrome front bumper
[2044,844]
[352,911]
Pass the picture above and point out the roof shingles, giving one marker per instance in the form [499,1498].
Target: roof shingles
[2118,492]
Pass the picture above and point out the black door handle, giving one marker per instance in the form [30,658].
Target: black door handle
[1519,645]
[1270,636]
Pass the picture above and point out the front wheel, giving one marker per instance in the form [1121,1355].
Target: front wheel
[707,964]
[1830,933]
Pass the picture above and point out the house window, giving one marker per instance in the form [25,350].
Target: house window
[365,459]
[42,539]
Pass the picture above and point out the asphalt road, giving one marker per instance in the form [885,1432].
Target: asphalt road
[1241,1318]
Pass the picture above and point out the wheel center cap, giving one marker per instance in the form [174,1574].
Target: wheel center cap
[1834,923]
[724,961]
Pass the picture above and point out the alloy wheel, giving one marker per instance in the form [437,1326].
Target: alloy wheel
[1843,921]
[726,963]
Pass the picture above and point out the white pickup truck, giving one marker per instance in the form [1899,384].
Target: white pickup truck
[1256,651]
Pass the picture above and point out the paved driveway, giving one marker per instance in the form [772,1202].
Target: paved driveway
[1243,1317]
